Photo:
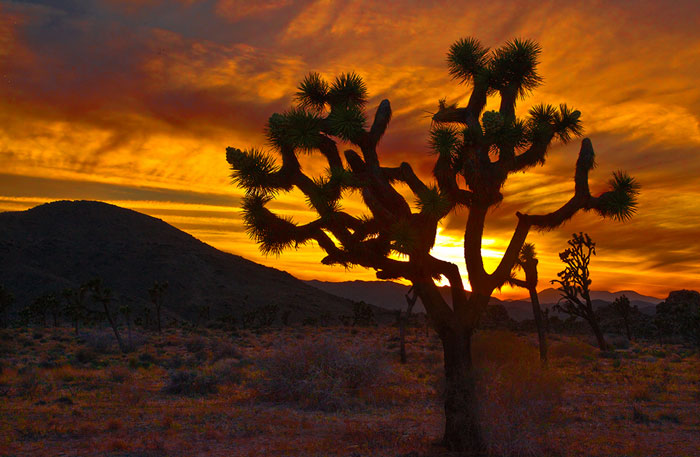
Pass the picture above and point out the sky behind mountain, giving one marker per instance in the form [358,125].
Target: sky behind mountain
[134,102]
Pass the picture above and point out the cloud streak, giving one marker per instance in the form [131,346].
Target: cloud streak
[135,101]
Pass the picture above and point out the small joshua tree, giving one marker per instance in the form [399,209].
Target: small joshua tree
[75,307]
[575,284]
[527,262]
[157,293]
[103,296]
[475,152]
[623,308]
[6,301]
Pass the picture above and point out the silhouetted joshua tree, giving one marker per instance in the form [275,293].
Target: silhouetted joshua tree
[403,319]
[527,261]
[6,301]
[157,293]
[75,306]
[624,309]
[575,283]
[477,149]
[103,295]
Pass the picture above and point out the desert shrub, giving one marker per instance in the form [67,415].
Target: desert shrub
[119,374]
[519,401]
[190,383]
[29,382]
[86,355]
[101,342]
[227,371]
[223,350]
[573,349]
[196,344]
[499,347]
[321,375]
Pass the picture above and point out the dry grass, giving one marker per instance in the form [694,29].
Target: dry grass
[116,405]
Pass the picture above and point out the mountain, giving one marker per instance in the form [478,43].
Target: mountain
[390,295]
[551,295]
[65,243]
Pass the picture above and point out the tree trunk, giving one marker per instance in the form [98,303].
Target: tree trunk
[114,328]
[541,335]
[462,421]
[627,328]
[402,338]
[158,318]
[598,333]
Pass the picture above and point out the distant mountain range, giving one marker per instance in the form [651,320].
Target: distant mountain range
[390,295]
[65,243]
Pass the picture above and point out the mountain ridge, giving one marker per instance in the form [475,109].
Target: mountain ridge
[65,243]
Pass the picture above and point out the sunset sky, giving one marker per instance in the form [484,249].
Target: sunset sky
[134,102]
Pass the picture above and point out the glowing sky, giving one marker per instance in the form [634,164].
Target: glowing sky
[134,102]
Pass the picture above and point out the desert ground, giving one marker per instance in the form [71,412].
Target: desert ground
[337,391]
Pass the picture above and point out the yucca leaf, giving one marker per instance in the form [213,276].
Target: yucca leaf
[313,92]
[466,59]
[567,124]
[620,203]
[515,64]
[346,121]
[251,169]
[348,89]
[433,203]
[273,233]
[297,128]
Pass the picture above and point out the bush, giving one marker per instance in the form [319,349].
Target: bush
[101,342]
[119,374]
[86,355]
[227,371]
[196,344]
[322,375]
[572,349]
[519,401]
[190,383]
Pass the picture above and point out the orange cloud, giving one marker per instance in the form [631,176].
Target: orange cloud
[125,103]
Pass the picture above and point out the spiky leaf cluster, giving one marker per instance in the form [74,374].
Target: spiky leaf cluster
[466,59]
[515,65]
[272,233]
[348,89]
[620,203]
[346,121]
[433,202]
[252,169]
[313,92]
[296,128]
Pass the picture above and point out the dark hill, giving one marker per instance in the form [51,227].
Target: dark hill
[65,243]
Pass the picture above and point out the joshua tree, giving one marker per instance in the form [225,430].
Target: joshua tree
[476,149]
[75,305]
[575,283]
[623,308]
[6,301]
[403,321]
[103,296]
[527,261]
[157,293]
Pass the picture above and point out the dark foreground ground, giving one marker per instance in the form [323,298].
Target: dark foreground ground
[333,392]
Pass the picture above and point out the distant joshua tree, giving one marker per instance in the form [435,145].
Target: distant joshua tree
[103,296]
[527,262]
[6,301]
[575,284]
[472,148]
[157,293]
[624,309]
[75,306]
